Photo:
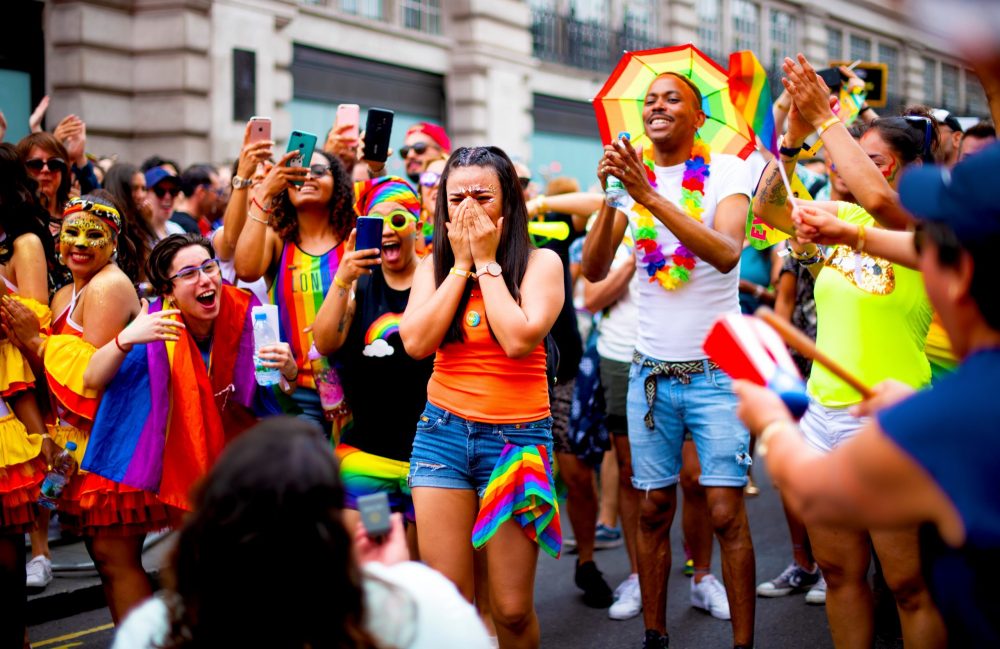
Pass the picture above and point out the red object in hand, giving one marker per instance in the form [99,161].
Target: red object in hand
[749,349]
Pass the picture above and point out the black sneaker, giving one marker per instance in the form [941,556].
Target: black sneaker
[596,592]
[654,640]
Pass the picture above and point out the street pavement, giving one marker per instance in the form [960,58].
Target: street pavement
[63,618]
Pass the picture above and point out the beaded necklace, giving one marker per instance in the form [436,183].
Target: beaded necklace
[672,277]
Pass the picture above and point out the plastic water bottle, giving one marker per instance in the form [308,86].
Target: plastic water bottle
[615,194]
[63,466]
[263,335]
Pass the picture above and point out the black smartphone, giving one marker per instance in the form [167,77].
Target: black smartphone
[375,515]
[832,77]
[378,128]
[369,233]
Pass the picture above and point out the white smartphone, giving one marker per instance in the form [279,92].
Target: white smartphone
[260,129]
[349,114]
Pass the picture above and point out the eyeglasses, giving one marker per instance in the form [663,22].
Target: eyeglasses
[525,182]
[55,165]
[419,148]
[399,219]
[319,170]
[191,274]
[430,179]
[163,191]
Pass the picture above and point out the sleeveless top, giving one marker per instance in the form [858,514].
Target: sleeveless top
[476,380]
[299,287]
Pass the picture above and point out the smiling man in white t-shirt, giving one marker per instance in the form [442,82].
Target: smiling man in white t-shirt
[691,242]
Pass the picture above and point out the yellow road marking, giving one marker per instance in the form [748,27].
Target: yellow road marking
[72,636]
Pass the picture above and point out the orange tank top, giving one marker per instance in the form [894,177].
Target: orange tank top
[477,381]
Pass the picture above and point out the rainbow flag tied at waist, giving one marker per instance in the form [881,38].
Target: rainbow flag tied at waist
[521,487]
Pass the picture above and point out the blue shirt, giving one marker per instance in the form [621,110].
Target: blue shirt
[953,431]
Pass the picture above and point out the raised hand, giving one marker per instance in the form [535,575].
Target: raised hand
[148,327]
[458,234]
[356,263]
[37,115]
[279,178]
[72,132]
[810,94]
[484,236]
[252,154]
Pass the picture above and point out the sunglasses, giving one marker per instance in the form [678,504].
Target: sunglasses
[525,182]
[55,165]
[319,170]
[430,179]
[921,124]
[189,275]
[399,219]
[163,191]
[419,148]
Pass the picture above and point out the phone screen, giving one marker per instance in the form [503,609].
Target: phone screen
[369,233]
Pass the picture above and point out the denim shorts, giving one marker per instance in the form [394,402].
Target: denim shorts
[707,408]
[827,428]
[450,452]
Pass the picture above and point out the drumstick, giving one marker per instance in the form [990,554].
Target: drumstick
[803,345]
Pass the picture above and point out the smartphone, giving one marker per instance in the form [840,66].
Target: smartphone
[260,129]
[369,233]
[375,514]
[832,77]
[378,128]
[349,114]
[305,143]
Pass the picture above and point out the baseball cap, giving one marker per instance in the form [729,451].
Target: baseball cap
[948,119]
[157,175]
[963,197]
[434,132]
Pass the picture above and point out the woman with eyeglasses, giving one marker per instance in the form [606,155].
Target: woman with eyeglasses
[430,181]
[873,316]
[359,322]
[294,237]
[92,317]
[482,304]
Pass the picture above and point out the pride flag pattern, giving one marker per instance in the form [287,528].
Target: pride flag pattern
[383,327]
[521,487]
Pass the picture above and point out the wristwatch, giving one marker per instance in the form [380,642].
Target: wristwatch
[241,183]
[492,268]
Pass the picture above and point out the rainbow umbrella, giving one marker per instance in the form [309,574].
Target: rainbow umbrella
[619,103]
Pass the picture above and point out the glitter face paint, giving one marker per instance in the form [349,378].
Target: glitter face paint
[85,231]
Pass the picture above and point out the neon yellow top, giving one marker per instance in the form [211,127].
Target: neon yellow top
[938,347]
[872,316]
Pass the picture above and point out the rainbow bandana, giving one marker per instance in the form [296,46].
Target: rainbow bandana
[521,487]
[391,189]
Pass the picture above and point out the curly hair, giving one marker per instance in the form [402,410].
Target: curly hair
[341,205]
[275,487]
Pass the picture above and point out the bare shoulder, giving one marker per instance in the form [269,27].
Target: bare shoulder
[61,298]
[543,258]
[111,287]
[29,244]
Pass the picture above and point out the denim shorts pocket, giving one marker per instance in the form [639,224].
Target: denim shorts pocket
[719,379]
[429,422]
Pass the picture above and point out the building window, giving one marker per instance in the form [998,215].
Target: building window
[364,8]
[784,39]
[746,25]
[949,87]
[584,36]
[834,44]
[975,96]
[930,81]
[422,15]
[640,25]
[710,27]
[889,55]
[861,48]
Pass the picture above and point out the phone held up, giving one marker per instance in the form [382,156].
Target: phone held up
[305,144]
[378,129]
[349,115]
[369,233]
[375,515]
[260,129]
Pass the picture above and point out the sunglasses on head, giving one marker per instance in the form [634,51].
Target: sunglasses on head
[55,165]
[525,182]
[921,124]
[419,148]
[161,191]
[430,179]
[399,219]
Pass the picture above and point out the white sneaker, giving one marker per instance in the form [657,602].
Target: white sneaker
[817,594]
[710,595]
[628,600]
[39,572]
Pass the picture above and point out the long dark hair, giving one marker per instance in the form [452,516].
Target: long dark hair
[48,143]
[341,205]
[913,135]
[20,212]
[118,183]
[131,250]
[274,488]
[515,244]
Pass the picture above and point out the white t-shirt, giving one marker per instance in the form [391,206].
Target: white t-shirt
[673,324]
[228,266]
[408,605]
[618,323]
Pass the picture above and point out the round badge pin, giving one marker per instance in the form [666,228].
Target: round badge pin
[472,319]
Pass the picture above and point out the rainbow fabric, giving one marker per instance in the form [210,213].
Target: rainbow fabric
[521,487]
[384,326]
[760,234]
[299,288]
[363,473]
[750,93]
[159,426]
[392,189]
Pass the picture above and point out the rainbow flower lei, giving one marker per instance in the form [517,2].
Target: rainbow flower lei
[672,277]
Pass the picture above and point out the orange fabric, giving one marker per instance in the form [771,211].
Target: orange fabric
[92,505]
[19,490]
[476,380]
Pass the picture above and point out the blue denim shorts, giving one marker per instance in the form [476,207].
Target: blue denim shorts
[707,408]
[454,453]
